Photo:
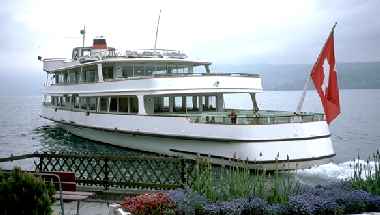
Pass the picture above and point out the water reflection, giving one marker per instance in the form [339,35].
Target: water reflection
[54,138]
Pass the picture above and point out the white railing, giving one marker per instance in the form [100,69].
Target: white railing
[257,120]
[51,64]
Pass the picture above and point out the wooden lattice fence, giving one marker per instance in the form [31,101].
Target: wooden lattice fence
[105,171]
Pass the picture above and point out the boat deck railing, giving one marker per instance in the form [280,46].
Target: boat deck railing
[255,118]
[143,75]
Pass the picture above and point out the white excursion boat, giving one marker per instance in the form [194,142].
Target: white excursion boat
[160,101]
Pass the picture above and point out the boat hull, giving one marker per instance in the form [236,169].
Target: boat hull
[223,153]
[282,146]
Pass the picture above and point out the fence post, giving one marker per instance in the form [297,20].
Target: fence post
[41,156]
[183,173]
[106,172]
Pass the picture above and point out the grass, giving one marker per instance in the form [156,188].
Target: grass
[238,181]
[367,175]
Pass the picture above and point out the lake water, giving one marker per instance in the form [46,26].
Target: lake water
[356,130]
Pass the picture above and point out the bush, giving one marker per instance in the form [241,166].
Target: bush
[149,203]
[367,174]
[277,209]
[232,182]
[337,198]
[23,193]
[353,201]
[255,205]
[243,206]
[187,201]
[374,204]
[310,204]
[234,207]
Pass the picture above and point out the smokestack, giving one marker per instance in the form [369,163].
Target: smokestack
[99,43]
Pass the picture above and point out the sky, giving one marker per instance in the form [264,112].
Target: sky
[224,32]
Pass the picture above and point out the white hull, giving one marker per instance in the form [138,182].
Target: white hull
[295,145]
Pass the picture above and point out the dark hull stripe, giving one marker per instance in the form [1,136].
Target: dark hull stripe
[136,133]
[256,162]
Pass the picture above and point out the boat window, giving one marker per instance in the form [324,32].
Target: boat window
[83,103]
[123,104]
[178,68]
[65,77]
[56,78]
[178,104]
[104,104]
[199,69]
[47,100]
[190,104]
[113,104]
[76,72]
[86,53]
[90,76]
[66,101]
[107,72]
[53,102]
[92,103]
[134,104]
[83,76]
[61,78]
[209,103]
[72,78]
[139,69]
[161,104]
[127,70]
[76,102]
[159,69]
[149,69]
[56,100]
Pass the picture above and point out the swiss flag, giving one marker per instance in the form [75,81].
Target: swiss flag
[325,80]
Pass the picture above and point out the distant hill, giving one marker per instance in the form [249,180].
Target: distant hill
[292,76]
[275,77]
[21,83]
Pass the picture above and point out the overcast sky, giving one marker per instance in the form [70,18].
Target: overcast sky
[225,32]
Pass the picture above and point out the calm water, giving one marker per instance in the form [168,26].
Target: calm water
[357,130]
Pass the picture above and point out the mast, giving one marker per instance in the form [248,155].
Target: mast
[158,24]
[83,32]
[302,99]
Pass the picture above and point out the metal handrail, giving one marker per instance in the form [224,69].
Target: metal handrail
[257,120]
[166,75]
[59,186]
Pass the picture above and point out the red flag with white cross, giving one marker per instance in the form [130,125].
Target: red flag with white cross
[325,80]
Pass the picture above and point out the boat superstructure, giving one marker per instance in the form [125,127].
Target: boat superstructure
[161,101]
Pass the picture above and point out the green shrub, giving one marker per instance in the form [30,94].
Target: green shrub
[23,193]
[227,183]
[367,175]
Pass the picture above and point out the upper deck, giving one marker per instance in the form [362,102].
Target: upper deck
[100,69]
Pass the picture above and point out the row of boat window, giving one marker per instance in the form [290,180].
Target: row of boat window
[122,104]
[184,103]
[129,104]
[89,74]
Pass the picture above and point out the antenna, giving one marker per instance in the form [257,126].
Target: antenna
[158,24]
[83,32]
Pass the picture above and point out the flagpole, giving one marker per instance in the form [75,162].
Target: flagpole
[158,24]
[302,99]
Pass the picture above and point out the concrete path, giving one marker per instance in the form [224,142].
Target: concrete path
[86,208]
